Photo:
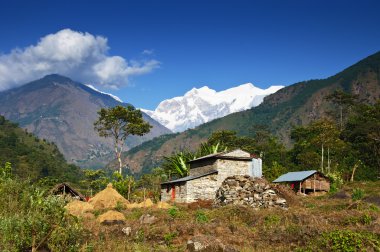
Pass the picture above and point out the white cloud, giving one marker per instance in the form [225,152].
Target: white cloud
[80,56]
[148,52]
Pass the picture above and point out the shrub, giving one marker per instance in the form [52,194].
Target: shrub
[347,240]
[272,220]
[357,194]
[173,212]
[29,219]
[168,238]
[201,217]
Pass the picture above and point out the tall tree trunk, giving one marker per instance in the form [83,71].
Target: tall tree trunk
[353,171]
[328,160]
[118,151]
[322,160]
[129,188]
[341,117]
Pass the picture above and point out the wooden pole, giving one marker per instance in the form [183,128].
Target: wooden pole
[314,183]
[300,186]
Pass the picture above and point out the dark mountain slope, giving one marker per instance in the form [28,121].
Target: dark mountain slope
[63,111]
[297,104]
[31,157]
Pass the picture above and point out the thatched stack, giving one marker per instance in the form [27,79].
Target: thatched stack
[79,208]
[108,198]
[248,191]
[111,217]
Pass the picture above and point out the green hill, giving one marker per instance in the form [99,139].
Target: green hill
[297,104]
[32,157]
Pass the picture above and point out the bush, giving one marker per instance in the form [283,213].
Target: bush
[173,212]
[201,217]
[30,219]
[357,194]
[347,240]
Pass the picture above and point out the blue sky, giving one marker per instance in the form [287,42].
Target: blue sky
[195,43]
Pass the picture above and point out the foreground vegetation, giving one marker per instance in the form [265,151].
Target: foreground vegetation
[349,220]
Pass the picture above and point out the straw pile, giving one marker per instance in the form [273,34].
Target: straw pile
[163,205]
[111,217]
[145,203]
[78,208]
[108,198]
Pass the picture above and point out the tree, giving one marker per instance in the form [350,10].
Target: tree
[344,101]
[363,132]
[120,122]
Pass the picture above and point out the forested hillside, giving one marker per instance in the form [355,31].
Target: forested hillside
[295,105]
[31,157]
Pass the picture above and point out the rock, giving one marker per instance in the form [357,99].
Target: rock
[203,243]
[280,201]
[245,190]
[127,231]
[147,219]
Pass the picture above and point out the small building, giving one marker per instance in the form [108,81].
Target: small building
[305,181]
[65,189]
[207,174]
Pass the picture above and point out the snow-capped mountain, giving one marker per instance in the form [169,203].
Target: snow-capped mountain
[97,90]
[202,105]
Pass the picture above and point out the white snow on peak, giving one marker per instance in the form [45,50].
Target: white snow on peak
[201,105]
[97,90]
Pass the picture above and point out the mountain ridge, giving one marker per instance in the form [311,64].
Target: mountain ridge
[201,105]
[297,104]
[63,111]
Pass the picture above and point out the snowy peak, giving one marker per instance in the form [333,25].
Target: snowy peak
[97,90]
[201,105]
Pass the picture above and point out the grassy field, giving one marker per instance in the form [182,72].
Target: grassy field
[348,220]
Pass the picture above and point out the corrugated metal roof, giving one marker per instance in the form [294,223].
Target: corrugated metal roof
[294,176]
[184,179]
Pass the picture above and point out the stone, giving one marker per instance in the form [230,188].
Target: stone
[248,191]
[203,243]
[147,219]
[127,231]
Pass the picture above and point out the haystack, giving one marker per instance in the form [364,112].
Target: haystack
[146,203]
[163,205]
[78,208]
[111,217]
[108,198]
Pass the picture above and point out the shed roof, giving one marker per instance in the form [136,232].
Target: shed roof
[184,179]
[66,188]
[294,176]
[223,155]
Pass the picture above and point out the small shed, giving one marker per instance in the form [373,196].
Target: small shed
[305,181]
[65,189]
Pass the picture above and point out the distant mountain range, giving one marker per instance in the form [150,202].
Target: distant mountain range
[63,111]
[202,105]
[297,104]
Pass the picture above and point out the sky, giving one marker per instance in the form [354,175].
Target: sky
[148,51]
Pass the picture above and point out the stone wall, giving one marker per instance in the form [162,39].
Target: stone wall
[202,167]
[180,192]
[248,191]
[228,168]
[203,188]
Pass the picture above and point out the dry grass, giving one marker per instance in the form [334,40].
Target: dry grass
[310,224]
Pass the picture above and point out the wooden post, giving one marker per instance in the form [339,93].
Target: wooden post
[300,186]
[314,184]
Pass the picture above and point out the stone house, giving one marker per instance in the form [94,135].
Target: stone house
[207,175]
